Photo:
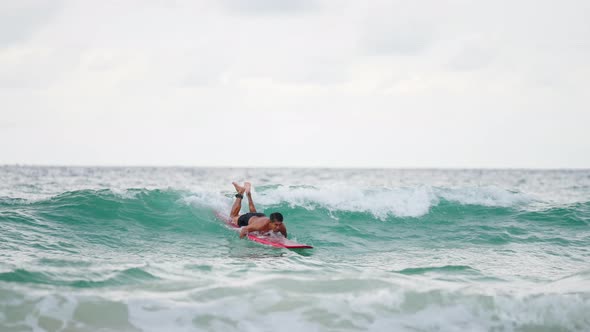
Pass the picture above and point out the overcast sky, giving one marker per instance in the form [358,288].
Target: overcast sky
[421,83]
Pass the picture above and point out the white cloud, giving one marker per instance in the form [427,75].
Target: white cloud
[302,83]
[397,28]
[270,7]
[19,20]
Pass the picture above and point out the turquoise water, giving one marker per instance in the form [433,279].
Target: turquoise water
[140,249]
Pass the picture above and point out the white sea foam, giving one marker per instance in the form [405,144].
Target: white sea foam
[207,199]
[486,196]
[400,202]
[382,203]
[296,304]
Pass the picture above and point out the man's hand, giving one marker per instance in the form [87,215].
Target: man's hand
[243,232]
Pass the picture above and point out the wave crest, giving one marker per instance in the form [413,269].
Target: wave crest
[389,202]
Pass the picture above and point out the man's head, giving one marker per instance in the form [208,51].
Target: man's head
[276,218]
[276,223]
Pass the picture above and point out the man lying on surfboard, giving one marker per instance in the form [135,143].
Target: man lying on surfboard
[254,221]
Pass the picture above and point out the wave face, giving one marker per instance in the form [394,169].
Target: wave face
[140,249]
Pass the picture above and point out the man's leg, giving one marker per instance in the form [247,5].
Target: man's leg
[248,187]
[235,209]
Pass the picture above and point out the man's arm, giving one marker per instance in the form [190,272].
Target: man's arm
[253,227]
[283,230]
[243,231]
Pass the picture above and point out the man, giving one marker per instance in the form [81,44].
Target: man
[254,221]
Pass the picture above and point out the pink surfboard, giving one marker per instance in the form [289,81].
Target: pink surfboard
[274,241]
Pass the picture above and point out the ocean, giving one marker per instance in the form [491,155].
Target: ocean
[140,249]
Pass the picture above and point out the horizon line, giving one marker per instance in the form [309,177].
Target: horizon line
[303,167]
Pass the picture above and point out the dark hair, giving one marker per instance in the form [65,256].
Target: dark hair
[276,216]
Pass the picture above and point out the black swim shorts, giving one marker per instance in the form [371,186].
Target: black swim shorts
[243,219]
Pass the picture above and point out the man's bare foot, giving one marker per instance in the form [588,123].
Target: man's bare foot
[239,188]
[248,187]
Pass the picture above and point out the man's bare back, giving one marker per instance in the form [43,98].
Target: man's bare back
[263,225]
